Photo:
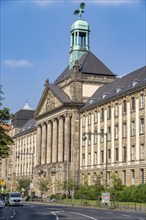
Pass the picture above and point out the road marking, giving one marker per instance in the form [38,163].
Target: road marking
[84,215]
[109,213]
[57,218]
[125,215]
[141,218]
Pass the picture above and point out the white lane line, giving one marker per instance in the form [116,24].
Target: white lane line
[109,213]
[57,218]
[125,215]
[141,218]
[84,215]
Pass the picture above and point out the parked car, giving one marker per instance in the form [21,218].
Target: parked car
[2,203]
[13,198]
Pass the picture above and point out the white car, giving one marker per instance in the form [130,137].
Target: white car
[13,198]
[1,203]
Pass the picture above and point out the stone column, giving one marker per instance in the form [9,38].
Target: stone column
[67,138]
[54,145]
[43,150]
[38,145]
[49,142]
[60,140]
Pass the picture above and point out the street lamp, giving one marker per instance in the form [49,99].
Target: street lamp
[84,137]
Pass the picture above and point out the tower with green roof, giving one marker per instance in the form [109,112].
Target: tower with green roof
[79,34]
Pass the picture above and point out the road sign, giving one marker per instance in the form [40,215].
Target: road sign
[105,197]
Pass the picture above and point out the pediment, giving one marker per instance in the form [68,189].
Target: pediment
[47,103]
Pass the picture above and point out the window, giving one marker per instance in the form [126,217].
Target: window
[133,152]
[102,114]
[142,151]
[95,157]
[102,156]
[109,156]
[117,154]
[124,130]
[142,125]
[89,139]
[132,177]
[95,117]
[95,137]
[109,112]
[109,133]
[116,132]
[133,128]
[142,101]
[133,104]
[124,154]
[124,107]
[83,120]
[102,135]
[142,175]
[89,119]
[124,177]
[116,110]
[89,159]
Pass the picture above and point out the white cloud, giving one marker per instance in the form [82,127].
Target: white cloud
[43,3]
[18,63]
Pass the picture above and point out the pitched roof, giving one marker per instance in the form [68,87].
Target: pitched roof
[89,64]
[21,117]
[28,127]
[59,93]
[125,84]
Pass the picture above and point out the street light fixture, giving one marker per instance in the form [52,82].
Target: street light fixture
[84,137]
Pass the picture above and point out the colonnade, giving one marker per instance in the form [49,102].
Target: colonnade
[54,140]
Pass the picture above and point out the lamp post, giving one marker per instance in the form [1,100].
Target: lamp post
[84,137]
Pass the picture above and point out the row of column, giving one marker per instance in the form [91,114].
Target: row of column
[53,140]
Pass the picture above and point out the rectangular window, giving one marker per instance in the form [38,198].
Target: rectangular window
[102,135]
[109,156]
[83,120]
[102,114]
[95,137]
[116,132]
[133,104]
[142,151]
[95,117]
[89,119]
[142,175]
[116,110]
[124,154]
[124,177]
[133,128]
[95,158]
[132,177]
[133,152]
[117,154]
[142,125]
[142,101]
[89,159]
[109,112]
[124,130]
[124,107]
[109,133]
[102,156]
[89,139]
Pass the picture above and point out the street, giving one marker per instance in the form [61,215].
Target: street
[33,211]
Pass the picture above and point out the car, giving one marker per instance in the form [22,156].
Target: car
[2,203]
[13,198]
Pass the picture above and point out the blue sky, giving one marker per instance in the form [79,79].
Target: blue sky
[35,42]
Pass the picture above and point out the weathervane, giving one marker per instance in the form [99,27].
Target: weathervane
[80,10]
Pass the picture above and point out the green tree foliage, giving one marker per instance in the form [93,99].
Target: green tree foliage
[23,184]
[5,140]
[98,187]
[44,185]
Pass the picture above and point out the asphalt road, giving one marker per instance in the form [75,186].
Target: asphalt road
[33,211]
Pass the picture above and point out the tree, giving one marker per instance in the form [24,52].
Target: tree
[116,188]
[23,184]
[44,186]
[98,187]
[5,139]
